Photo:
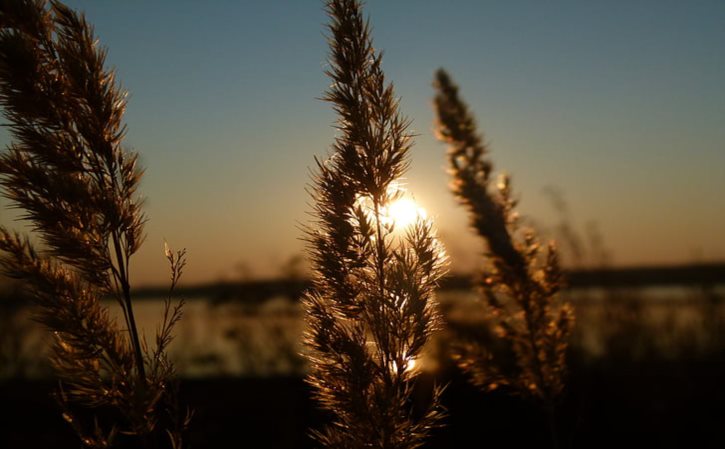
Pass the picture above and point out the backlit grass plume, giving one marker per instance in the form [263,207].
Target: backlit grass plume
[521,281]
[371,308]
[68,172]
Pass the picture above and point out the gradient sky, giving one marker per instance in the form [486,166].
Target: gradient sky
[619,105]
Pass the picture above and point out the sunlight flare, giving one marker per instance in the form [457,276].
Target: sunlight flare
[400,213]
[404,212]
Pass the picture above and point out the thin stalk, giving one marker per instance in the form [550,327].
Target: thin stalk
[126,292]
[385,343]
[548,402]
[535,350]
[380,268]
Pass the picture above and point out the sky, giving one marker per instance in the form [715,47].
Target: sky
[619,106]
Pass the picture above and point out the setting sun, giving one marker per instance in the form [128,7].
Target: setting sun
[404,212]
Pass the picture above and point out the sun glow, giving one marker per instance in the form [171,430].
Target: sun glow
[404,212]
[408,366]
[400,213]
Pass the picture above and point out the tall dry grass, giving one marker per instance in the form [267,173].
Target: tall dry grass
[68,172]
[520,280]
[372,307]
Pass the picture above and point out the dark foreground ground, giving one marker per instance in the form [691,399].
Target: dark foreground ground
[654,405]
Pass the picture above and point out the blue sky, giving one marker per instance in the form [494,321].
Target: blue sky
[620,105]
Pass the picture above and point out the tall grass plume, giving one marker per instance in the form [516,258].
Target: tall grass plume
[521,279]
[371,308]
[68,173]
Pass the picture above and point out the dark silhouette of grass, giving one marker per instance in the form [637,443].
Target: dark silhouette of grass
[520,282]
[75,183]
[371,307]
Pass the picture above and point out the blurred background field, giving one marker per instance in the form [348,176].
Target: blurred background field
[646,365]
